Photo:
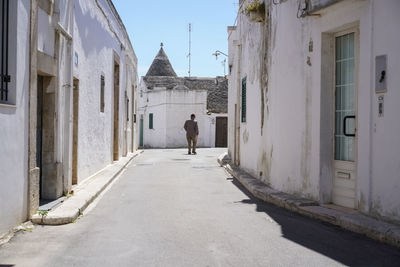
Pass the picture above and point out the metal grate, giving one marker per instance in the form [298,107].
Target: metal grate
[5,78]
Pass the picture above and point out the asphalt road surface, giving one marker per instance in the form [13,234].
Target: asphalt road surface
[172,209]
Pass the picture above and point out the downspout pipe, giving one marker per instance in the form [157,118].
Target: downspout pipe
[238,101]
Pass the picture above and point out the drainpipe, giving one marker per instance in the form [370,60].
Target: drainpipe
[64,97]
[371,116]
[238,105]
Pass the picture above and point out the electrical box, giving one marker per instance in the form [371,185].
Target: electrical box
[381,74]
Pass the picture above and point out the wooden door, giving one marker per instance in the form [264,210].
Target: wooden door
[116,113]
[75,132]
[39,131]
[221,134]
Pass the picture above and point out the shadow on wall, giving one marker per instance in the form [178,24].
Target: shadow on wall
[348,248]
[94,37]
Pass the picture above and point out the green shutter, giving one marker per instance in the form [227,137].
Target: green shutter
[151,121]
[244,99]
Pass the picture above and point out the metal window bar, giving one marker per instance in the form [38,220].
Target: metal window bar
[5,77]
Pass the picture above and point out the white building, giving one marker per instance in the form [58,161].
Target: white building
[167,101]
[303,71]
[67,111]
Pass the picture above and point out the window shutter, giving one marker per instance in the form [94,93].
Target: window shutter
[244,99]
[151,121]
[102,84]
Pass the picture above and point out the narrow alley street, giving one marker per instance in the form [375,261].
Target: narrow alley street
[172,209]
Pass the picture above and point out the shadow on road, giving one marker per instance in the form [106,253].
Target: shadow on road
[338,244]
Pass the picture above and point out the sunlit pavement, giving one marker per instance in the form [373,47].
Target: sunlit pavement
[173,209]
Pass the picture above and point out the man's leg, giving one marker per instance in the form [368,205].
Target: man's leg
[189,141]
[194,144]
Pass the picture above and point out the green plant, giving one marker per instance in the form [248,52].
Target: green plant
[254,6]
[43,212]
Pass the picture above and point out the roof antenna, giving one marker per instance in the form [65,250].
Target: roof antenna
[190,48]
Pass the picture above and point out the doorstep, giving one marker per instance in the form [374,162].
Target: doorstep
[348,219]
[84,194]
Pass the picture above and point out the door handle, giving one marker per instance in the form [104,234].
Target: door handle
[345,128]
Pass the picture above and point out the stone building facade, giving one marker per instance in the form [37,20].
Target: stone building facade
[69,110]
[313,100]
[166,101]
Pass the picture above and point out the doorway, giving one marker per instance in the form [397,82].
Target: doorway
[236,155]
[141,132]
[116,113]
[126,121]
[75,132]
[50,186]
[345,119]
[133,122]
[39,131]
[221,132]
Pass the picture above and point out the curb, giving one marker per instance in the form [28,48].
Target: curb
[348,219]
[26,226]
[84,194]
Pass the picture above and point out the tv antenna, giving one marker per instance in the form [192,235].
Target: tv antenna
[223,62]
[190,48]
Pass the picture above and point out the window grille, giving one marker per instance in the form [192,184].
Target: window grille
[5,77]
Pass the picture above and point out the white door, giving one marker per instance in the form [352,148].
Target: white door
[345,141]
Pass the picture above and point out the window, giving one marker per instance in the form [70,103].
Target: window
[76,59]
[244,99]
[127,109]
[5,77]
[151,121]
[345,109]
[102,94]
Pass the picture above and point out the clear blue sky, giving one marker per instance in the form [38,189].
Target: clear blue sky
[151,22]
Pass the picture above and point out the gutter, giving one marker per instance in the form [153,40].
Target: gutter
[313,6]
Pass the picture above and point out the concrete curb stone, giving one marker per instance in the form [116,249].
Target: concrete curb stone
[350,220]
[84,194]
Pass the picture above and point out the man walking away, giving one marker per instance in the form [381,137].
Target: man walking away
[192,131]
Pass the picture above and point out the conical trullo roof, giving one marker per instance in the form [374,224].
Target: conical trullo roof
[161,65]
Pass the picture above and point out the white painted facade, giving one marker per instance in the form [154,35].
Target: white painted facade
[72,42]
[170,109]
[14,119]
[287,140]
[99,41]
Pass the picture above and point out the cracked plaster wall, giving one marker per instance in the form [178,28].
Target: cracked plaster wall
[289,155]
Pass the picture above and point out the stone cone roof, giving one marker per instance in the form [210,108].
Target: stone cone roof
[161,66]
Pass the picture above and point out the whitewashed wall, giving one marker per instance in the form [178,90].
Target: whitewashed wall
[14,120]
[171,108]
[291,153]
[97,46]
